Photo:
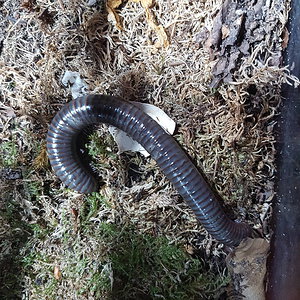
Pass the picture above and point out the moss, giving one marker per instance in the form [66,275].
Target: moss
[100,260]
[8,154]
[40,231]
[98,284]
[15,237]
[147,267]
[99,147]
[138,266]
[17,253]
[33,189]
[91,207]
[46,287]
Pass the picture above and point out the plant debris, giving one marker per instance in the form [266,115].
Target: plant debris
[163,40]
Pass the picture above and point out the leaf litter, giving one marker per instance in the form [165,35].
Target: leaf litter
[112,5]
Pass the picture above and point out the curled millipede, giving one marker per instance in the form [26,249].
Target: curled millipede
[63,147]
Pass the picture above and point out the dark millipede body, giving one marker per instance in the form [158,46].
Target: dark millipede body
[63,150]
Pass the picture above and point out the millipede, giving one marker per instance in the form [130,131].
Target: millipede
[71,123]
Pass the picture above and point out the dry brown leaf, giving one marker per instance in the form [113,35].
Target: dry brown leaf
[163,40]
[113,16]
[74,212]
[225,31]
[114,3]
[41,161]
[285,38]
[57,273]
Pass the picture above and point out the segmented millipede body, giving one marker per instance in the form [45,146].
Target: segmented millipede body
[65,134]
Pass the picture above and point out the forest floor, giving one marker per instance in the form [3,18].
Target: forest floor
[214,68]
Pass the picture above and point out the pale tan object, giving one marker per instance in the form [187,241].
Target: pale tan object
[112,16]
[247,266]
[57,273]
[225,31]
[163,40]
